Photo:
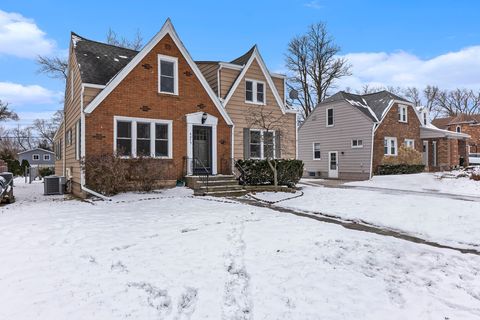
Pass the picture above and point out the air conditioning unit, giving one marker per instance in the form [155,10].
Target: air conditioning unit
[53,185]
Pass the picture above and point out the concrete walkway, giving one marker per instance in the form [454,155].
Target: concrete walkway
[341,184]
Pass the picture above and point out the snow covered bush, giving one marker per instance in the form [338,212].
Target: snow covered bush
[475,174]
[258,172]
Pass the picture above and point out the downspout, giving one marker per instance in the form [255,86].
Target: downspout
[232,146]
[94,193]
[64,171]
[371,151]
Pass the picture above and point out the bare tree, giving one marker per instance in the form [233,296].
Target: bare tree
[313,62]
[5,113]
[272,125]
[46,128]
[53,67]
[23,138]
[458,101]
[57,67]
[134,44]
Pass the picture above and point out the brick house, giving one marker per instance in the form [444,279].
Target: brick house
[469,124]
[156,103]
[153,103]
[348,135]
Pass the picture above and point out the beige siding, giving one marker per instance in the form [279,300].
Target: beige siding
[72,115]
[280,85]
[227,78]
[349,124]
[239,111]
[89,94]
[209,71]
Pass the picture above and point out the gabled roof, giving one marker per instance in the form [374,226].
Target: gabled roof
[461,118]
[253,54]
[34,149]
[99,62]
[355,100]
[167,28]
[243,59]
[373,105]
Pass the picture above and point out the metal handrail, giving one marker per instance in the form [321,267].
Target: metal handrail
[206,174]
[241,177]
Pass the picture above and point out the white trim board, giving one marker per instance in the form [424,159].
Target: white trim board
[255,55]
[167,28]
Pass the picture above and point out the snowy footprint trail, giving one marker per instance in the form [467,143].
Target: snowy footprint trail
[237,303]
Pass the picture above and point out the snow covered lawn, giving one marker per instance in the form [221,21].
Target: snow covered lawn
[443,220]
[426,182]
[173,256]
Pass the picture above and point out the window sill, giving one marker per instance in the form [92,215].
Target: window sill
[330,126]
[403,121]
[390,155]
[357,147]
[256,103]
[168,94]
[316,159]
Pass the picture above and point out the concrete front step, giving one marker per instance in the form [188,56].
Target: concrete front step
[220,188]
[217,183]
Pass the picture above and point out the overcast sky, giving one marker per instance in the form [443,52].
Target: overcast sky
[399,43]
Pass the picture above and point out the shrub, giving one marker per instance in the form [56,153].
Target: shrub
[110,174]
[387,169]
[45,171]
[405,155]
[258,172]
[14,167]
[105,173]
[24,165]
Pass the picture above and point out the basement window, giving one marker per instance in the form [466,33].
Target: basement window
[167,74]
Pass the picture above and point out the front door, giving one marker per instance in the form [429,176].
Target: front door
[425,153]
[333,164]
[202,150]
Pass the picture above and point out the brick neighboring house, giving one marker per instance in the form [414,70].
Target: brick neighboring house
[154,103]
[347,136]
[469,124]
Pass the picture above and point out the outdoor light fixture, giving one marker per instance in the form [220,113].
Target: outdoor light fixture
[204,117]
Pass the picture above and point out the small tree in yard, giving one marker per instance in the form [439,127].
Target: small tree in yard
[271,126]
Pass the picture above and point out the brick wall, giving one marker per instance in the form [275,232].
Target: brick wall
[391,127]
[137,96]
[473,131]
[3,166]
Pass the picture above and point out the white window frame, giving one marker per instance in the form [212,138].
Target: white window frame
[313,151]
[407,141]
[357,146]
[403,111]
[69,137]
[262,151]
[254,92]
[389,149]
[175,74]
[152,122]
[434,151]
[326,118]
[46,157]
[36,155]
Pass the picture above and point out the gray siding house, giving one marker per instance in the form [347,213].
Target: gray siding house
[337,134]
[38,157]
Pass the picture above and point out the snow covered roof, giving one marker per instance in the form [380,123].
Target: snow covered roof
[99,62]
[373,105]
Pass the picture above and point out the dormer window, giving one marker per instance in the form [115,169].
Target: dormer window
[167,74]
[459,129]
[254,91]
[402,114]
